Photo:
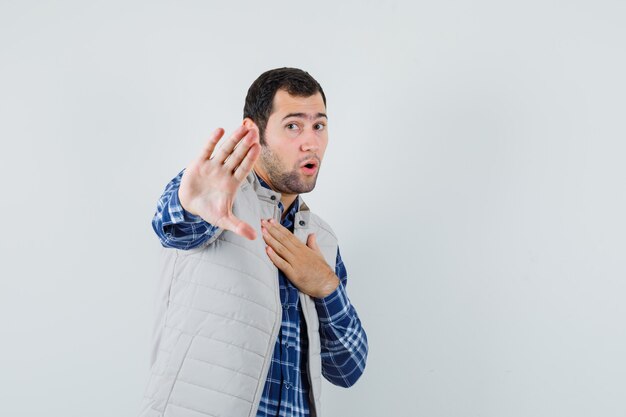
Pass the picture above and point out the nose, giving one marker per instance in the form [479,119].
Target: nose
[310,143]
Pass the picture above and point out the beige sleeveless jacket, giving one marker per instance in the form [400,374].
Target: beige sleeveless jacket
[219,314]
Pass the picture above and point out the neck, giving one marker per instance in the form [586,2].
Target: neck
[286,199]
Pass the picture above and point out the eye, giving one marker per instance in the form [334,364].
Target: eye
[291,126]
[320,126]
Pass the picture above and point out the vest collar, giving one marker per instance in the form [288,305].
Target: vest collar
[273,197]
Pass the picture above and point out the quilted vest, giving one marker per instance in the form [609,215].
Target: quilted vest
[219,314]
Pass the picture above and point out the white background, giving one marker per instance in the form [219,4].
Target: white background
[474,175]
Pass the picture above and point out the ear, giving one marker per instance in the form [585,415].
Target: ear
[247,122]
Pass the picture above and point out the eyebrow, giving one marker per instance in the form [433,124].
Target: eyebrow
[305,116]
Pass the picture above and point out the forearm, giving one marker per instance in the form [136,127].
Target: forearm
[343,339]
[344,345]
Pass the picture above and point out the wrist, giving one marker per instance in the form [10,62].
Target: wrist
[185,204]
[330,284]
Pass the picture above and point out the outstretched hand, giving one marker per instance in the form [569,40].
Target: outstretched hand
[210,182]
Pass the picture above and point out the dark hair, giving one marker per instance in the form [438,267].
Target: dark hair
[261,93]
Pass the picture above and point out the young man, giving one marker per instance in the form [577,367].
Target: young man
[253,307]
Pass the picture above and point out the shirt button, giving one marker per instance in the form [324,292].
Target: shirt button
[302,222]
[273,198]
[285,306]
[287,385]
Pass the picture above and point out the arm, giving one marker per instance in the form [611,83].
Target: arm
[343,339]
[175,226]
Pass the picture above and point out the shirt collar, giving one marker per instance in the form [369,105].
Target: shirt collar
[263,183]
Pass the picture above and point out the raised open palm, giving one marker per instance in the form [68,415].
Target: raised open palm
[210,183]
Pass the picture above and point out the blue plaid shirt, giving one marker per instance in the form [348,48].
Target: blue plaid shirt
[343,341]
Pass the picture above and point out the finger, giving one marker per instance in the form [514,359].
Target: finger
[277,260]
[237,226]
[283,234]
[248,162]
[311,242]
[240,151]
[210,145]
[276,244]
[227,147]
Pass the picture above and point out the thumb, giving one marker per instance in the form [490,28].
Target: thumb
[311,242]
[237,226]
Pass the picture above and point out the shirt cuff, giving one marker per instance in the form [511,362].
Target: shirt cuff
[178,214]
[334,308]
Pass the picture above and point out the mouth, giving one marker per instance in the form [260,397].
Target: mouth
[310,166]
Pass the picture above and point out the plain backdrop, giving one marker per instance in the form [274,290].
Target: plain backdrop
[474,175]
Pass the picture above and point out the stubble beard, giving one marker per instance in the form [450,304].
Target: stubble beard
[286,182]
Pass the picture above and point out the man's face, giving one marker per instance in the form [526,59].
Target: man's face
[295,142]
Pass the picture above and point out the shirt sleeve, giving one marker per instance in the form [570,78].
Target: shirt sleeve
[343,339]
[176,227]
